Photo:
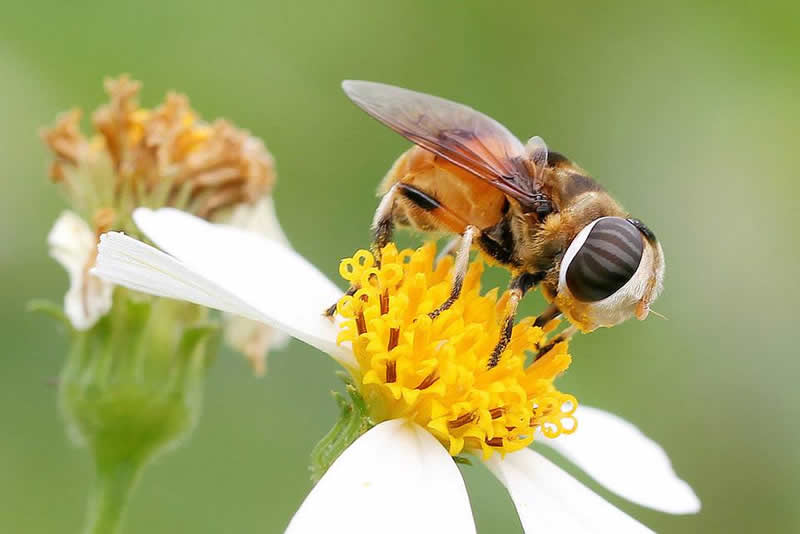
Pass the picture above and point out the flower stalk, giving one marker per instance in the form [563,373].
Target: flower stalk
[109,496]
[131,389]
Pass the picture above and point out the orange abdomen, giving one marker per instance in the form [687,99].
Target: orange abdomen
[464,198]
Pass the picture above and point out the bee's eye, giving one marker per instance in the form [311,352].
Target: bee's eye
[605,261]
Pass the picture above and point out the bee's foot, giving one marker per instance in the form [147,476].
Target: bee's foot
[330,312]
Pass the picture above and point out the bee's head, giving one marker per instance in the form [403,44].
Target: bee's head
[611,271]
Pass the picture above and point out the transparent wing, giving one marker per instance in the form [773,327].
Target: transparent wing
[458,133]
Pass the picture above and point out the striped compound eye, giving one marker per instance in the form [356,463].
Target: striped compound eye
[602,258]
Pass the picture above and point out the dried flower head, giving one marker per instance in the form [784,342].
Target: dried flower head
[165,156]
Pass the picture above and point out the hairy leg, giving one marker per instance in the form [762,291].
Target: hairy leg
[462,263]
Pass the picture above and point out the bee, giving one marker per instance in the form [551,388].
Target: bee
[531,211]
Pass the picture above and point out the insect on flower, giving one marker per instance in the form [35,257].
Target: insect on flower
[536,213]
[424,383]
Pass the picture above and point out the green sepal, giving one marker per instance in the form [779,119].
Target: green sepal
[131,389]
[353,422]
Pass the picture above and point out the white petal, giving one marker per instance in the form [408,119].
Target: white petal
[131,263]
[548,499]
[394,478]
[72,244]
[251,338]
[617,455]
[260,218]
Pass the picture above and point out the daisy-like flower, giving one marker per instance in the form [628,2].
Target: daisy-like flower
[166,156]
[423,383]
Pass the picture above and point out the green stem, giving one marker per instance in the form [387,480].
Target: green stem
[109,496]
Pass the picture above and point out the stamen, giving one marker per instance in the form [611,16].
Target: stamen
[428,381]
[361,323]
[462,420]
[394,338]
[494,442]
[385,302]
[391,371]
[498,412]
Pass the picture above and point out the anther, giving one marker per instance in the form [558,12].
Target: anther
[494,442]
[391,371]
[385,302]
[361,323]
[461,420]
[428,381]
[394,338]
[498,412]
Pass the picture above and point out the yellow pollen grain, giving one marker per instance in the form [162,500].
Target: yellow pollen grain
[434,372]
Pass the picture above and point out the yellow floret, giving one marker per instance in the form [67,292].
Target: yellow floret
[435,372]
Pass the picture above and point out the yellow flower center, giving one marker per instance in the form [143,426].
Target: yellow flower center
[435,372]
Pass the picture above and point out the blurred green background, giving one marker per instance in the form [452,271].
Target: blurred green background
[687,112]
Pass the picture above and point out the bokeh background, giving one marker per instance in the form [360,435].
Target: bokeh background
[688,112]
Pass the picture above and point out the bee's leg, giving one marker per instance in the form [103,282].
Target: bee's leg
[518,286]
[563,336]
[382,230]
[462,262]
[331,310]
[383,223]
[550,313]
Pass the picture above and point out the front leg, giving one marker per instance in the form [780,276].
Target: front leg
[565,334]
[383,223]
[547,315]
[449,249]
[462,263]
[518,286]
[382,231]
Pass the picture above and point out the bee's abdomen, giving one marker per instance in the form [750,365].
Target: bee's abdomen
[606,260]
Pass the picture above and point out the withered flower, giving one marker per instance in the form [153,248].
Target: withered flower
[161,157]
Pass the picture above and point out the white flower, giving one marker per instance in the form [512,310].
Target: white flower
[73,244]
[253,338]
[399,476]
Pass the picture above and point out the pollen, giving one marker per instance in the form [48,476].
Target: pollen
[435,371]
